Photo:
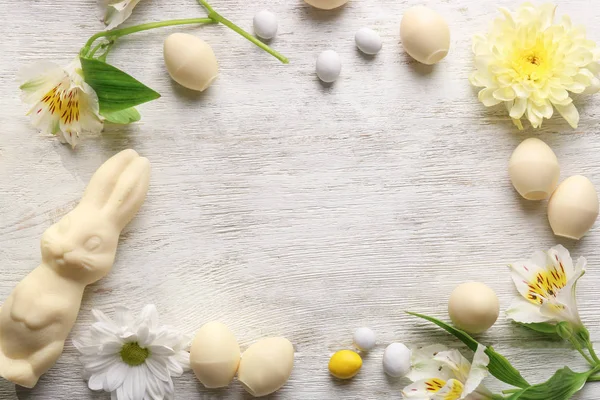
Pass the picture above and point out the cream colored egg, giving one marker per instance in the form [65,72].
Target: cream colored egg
[473,307]
[215,355]
[266,366]
[425,35]
[573,208]
[326,4]
[190,61]
[534,169]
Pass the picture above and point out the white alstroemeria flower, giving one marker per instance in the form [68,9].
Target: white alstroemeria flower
[547,284]
[442,374]
[133,358]
[117,11]
[61,102]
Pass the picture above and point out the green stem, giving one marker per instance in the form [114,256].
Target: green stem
[215,16]
[510,391]
[590,348]
[95,49]
[587,358]
[117,33]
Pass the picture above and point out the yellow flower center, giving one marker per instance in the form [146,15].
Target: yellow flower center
[533,63]
[63,102]
[546,284]
[434,385]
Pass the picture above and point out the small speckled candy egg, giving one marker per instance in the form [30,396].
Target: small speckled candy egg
[368,41]
[190,61]
[214,355]
[329,66]
[396,360]
[573,207]
[425,35]
[266,366]
[534,169]
[473,307]
[345,364]
[265,24]
[364,339]
[326,4]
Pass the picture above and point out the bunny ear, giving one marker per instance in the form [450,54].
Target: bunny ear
[105,179]
[129,192]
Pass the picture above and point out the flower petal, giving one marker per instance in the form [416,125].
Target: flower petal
[486,96]
[115,377]
[424,366]
[95,382]
[569,113]
[525,312]
[149,315]
[423,389]
[158,368]
[459,365]
[478,370]
[451,391]
[118,11]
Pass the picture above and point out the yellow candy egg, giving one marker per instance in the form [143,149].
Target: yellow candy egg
[345,364]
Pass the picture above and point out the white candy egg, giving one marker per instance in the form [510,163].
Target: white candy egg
[364,339]
[190,61]
[329,66]
[265,24]
[326,4]
[396,360]
[534,169]
[368,41]
[473,307]
[573,208]
[425,35]
[266,366]
[214,355]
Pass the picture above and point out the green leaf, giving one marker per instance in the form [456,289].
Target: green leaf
[116,90]
[499,366]
[123,117]
[542,327]
[562,385]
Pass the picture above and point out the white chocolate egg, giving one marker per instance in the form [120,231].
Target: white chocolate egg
[425,35]
[326,4]
[573,208]
[396,360]
[368,41]
[364,339]
[266,366]
[265,24]
[215,355]
[329,66]
[534,169]
[473,307]
[190,61]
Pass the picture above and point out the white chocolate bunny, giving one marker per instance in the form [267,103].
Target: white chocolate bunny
[80,249]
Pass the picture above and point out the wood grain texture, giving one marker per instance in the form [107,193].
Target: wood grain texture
[283,207]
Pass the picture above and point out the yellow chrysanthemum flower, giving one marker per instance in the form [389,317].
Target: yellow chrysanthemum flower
[530,64]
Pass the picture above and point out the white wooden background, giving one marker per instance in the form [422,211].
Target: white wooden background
[283,207]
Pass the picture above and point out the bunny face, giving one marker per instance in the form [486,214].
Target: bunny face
[82,245]
[80,248]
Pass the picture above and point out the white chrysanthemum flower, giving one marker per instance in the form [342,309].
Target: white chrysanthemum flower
[117,11]
[442,374]
[133,358]
[530,64]
[547,284]
[61,102]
